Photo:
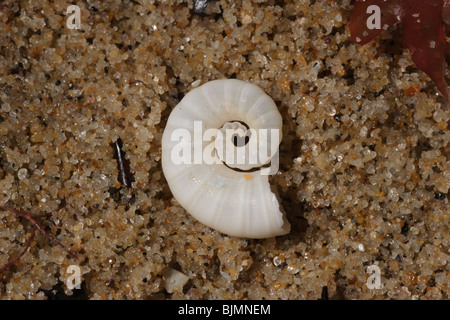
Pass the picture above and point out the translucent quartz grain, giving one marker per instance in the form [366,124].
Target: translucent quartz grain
[22,173]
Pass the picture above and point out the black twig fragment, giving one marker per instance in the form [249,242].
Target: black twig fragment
[125,177]
[324,295]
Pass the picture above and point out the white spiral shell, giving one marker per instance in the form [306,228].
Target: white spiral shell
[238,203]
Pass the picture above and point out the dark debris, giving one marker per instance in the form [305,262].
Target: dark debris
[123,164]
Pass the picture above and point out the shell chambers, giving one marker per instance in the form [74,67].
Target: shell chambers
[230,196]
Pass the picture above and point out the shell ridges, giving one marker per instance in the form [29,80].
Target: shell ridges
[231,201]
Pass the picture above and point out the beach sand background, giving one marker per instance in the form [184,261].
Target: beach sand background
[364,162]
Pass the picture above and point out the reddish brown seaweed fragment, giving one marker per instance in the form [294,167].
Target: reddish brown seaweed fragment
[423,31]
[32,219]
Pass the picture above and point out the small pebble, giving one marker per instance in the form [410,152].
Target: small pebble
[22,173]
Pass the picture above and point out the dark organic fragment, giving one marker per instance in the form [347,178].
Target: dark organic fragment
[32,218]
[423,31]
[125,177]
